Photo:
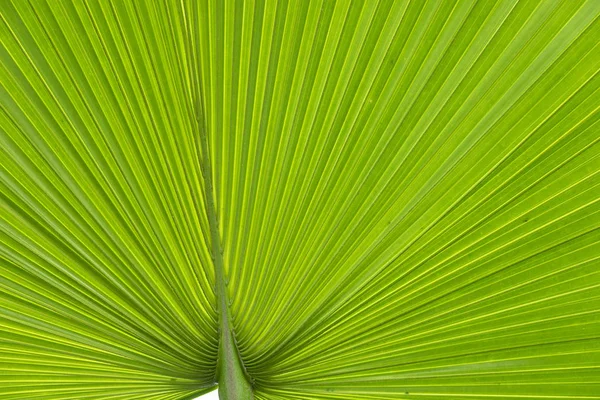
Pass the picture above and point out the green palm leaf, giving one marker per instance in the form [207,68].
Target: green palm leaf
[299,199]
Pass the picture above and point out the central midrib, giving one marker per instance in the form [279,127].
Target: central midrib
[233,382]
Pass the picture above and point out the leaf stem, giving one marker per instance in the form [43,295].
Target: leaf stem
[233,382]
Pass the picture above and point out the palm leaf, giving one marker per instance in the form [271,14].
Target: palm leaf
[299,199]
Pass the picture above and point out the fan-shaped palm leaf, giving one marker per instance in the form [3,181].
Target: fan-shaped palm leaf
[299,199]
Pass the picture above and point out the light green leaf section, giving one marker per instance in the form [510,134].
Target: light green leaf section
[405,194]
[106,277]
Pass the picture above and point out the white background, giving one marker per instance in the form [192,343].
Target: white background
[214,395]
